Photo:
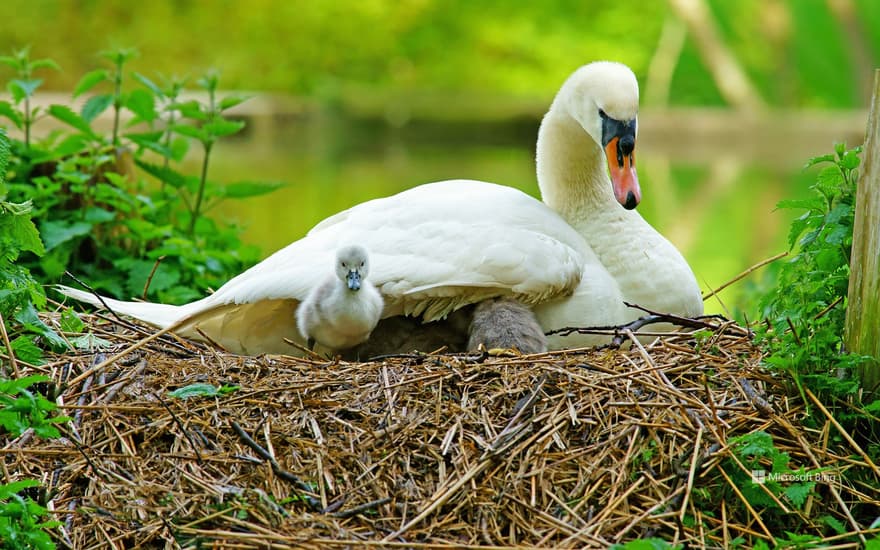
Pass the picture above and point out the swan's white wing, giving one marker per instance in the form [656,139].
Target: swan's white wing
[433,248]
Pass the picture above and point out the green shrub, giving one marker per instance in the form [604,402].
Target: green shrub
[806,310]
[115,210]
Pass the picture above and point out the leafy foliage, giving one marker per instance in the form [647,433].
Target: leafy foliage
[117,210]
[806,310]
[23,409]
[21,524]
[768,479]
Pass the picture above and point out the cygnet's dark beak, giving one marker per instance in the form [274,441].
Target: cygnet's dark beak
[354,280]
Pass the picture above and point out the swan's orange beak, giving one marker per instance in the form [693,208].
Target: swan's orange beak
[622,167]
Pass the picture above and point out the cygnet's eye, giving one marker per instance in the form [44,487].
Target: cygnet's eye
[342,264]
[362,264]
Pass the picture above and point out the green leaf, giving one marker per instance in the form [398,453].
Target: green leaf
[70,321]
[142,104]
[231,101]
[96,214]
[222,127]
[4,156]
[25,350]
[168,175]
[89,81]
[7,110]
[179,148]
[157,91]
[28,317]
[90,342]
[67,116]
[195,390]
[797,493]
[817,160]
[58,232]
[96,105]
[245,189]
[829,180]
[191,109]
[70,145]
[191,131]
[44,64]
[23,231]
[834,523]
[14,487]
[22,89]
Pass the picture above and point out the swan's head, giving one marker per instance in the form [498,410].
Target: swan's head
[352,265]
[603,97]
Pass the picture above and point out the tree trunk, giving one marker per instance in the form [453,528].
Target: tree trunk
[863,311]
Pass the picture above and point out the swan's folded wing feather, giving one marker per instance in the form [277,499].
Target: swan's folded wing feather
[433,249]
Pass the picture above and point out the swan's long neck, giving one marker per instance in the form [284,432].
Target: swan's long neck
[574,182]
[572,175]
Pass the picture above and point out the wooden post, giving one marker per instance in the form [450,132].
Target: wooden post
[863,311]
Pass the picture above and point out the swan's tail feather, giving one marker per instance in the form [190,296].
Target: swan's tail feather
[159,315]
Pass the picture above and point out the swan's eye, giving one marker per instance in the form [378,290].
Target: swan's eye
[602,114]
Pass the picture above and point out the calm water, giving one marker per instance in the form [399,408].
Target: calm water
[717,207]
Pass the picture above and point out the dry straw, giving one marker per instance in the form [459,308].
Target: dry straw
[568,449]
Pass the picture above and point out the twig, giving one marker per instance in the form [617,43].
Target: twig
[844,433]
[150,277]
[137,345]
[691,474]
[362,508]
[761,404]
[182,429]
[745,274]
[211,340]
[302,348]
[100,298]
[619,331]
[12,360]
[828,308]
[276,468]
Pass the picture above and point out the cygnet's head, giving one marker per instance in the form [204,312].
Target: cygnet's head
[352,265]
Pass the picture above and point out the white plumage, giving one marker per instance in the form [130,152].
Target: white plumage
[341,312]
[437,247]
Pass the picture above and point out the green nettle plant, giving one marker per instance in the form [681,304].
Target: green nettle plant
[116,210]
[806,310]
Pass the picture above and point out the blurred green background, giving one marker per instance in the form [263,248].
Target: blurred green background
[366,98]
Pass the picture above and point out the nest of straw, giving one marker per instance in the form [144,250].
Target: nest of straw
[565,449]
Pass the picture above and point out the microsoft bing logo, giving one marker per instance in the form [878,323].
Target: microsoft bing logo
[760,477]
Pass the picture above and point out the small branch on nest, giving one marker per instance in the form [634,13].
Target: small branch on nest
[276,468]
[8,345]
[302,348]
[362,508]
[150,277]
[211,340]
[755,399]
[653,317]
[182,429]
[119,320]
[744,274]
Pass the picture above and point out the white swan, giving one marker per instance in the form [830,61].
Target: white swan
[441,246]
[341,312]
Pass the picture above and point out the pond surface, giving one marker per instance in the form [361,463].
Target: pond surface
[717,207]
